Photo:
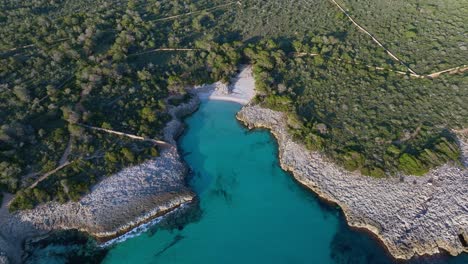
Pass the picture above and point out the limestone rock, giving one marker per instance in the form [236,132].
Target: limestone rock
[116,204]
[416,216]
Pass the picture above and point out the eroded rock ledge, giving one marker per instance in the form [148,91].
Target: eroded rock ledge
[115,205]
[411,215]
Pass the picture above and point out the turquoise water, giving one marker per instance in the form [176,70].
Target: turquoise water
[252,211]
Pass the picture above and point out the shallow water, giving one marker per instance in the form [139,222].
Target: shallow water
[251,210]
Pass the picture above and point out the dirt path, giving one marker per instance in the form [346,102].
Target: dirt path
[454,70]
[161,49]
[67,151]
[412,72]
[157,142]
[304,54]
[63,162]
[196,12]
[31,45]
[47,174]
[448,71]
[373,38]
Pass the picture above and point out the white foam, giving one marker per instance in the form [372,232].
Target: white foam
[140,229]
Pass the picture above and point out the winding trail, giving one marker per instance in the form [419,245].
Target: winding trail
[454,70]
[373,38]
[391,54]
[63,162]
[161,49]
[67,151]
[31,45]
[448,71]
[304,54]
[47,174]
[196,12]
[110,131]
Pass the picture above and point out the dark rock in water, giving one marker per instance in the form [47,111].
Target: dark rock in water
[63,246]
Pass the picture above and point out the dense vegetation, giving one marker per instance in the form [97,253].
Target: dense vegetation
[68,63]
[368,120]
[85,67]
[429,35]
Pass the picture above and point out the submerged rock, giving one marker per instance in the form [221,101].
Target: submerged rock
[417,216]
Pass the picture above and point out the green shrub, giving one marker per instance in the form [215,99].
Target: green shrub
[411,165]
[375,172]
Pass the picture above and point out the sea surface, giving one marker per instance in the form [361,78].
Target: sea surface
[250,210]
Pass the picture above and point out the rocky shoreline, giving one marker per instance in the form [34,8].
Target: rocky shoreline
[129,198]
[114,206]
[410,215]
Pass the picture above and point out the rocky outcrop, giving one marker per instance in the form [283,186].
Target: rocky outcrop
[411,215]
[115,205]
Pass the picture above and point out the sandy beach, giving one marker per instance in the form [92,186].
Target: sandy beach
[241,90]
[410,215]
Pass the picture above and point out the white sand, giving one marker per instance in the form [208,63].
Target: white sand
[241,91]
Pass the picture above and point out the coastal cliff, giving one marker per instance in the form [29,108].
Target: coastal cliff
[410,215]
[114,206]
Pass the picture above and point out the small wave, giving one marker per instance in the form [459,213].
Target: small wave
[140,229]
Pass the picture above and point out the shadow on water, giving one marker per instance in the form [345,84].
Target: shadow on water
[178,219]
[64,247]
[224,186]
[198,180]
[357,246]
[350,245]
[176,240]
[185,154]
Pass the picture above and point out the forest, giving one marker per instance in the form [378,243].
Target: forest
[67,65]
[428,35]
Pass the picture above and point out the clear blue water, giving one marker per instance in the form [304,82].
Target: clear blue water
[252,211]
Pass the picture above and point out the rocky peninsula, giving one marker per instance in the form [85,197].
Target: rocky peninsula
[114,206]
[410,215]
